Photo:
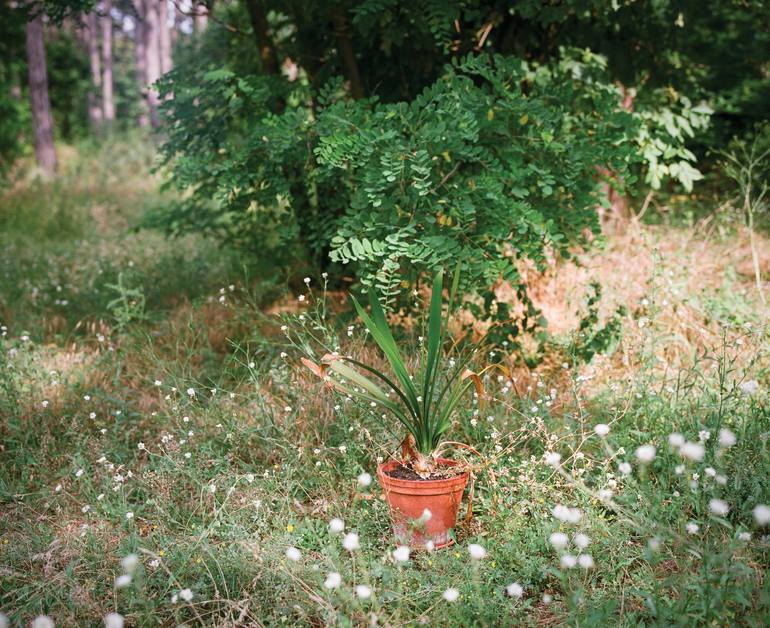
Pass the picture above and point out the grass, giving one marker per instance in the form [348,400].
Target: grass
[99,461]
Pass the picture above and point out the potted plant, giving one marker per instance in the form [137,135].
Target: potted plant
[422,488]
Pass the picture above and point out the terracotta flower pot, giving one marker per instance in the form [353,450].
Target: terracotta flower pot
[408,500]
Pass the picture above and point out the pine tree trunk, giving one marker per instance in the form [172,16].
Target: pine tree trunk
[140,57]
[201,18]
[152,57]
[345,50]
[108,100]
[42,122]
[264,44]
[91,36]
[164,39]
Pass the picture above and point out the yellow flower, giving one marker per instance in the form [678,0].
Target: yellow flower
[161,553]
[290,528]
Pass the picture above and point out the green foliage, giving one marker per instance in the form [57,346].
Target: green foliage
[426,401]
[494,162]
[592,338]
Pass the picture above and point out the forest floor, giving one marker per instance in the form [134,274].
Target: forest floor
[150,407]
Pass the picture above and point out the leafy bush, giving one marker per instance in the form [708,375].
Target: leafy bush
[495,162]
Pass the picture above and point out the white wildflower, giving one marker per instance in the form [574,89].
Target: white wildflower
[451,594]
[293,554]
[567,561]
[350,542]
[514,590]
[586,561]
[364,480]
[123,581]
[692,528]
[726,438]
[762,514]
[559,540]
[719,507]
[363,591]
[476,551]
[333,580]
[113,620]
[692,451]
[336,525]
[601,429]
[646,453]
[401,554]
[676,440]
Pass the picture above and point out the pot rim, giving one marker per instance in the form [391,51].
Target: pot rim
[390,482]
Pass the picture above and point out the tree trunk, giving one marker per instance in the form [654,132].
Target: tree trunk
[265,45]
[91,36]
[140,57]
[345,49]
[152,56]
[164,37]
[42,122]
[108,100]
[201,18]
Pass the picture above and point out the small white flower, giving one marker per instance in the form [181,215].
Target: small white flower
[130,563]
[710,471]
[42,621]
[514,590]
[552,458]
[430,546]
[567,561]
[692,528]
[158,382]
[401,554]
[186,595]
[646,453]
[123,581]
[744,536]
[762,514]
[113,620]
[336,525]
[624,468]
[566,514]
[726,438]
[141,446]
[129,515]
[601,429]
[191,392]
[306,280]
[676,440]
[605,494]
[79,472]
[704,435]
[547,598]
[364,480]
[333,580]
[293,554]
[581,540]
[451,594]
[586,561]
[749,387]
[692,451]
[85,509]
[363,591]
[718,507]
[350,542]
[426,516]
[559,540]
[476,551]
